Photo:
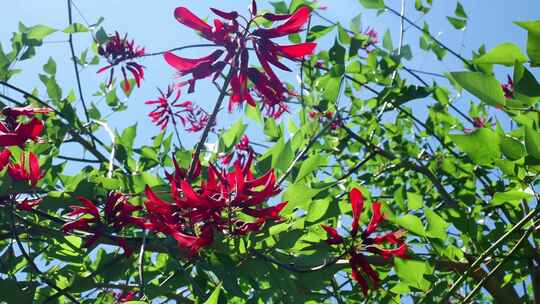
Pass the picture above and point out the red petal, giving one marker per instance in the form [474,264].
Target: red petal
[268,213]
[368,270]
[357,276]
[4,158]
[192,198]
[291,26]
[376,218]
[226,15]
[186,65]
[92,209]
[35,175]
[276,17]
[357,203]
[187,18]
[333,235]
[296,51]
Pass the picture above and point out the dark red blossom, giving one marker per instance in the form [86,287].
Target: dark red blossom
[20,172]
[14,132]
[125,296]
[4,158]
[508,88]
[117,213]
[28,204]
[241,152]
[197,212]
[387,245]
[227,33]
[168,109]
[122,51]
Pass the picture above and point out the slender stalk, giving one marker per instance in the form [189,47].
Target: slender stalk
[487,252]
[33,265]
[179,49]
[141,263]
[211,121]
[76,67]
[431,36]
[519,243]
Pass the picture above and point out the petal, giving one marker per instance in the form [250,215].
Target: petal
[333,236]
[4,158]
[291,26]
[376,218]
[186,65]
[267,213]
[357,203]
[187,18]
[33,163]
[368,270]
[296,51]
[92,209]
[225,15]
[357,276]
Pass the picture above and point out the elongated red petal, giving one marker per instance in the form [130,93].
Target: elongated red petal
[192,198]
[276,17]
[333,236]
[186,65]
[401,252]
[357,276]
[225,15]
[187,18]
[155,204]
[4,158]
[267,213]
[357,203]
[296,51]
[374,275]
[35,174]
[92,209]
[376,218]
[291,26]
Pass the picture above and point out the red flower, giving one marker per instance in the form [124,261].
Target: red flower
[4,158]
[241,152]
[508,88]
[372,39]
[29,204]
[123,297]
[197,212]
[365,242]
[19,172]
[117,214]
[192,117]
[120,50]
[16,133]
[234,38]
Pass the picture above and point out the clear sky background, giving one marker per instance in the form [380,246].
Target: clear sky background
[151,24]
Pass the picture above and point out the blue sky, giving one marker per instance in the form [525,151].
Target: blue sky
[152,25]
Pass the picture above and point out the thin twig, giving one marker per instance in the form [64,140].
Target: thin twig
[76,67]
[487,252]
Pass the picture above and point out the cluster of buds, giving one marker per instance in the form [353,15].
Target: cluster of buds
[508,88]
[221,203]
[234,38]
[365,242]
[328,116]
[118,51]
[168,108]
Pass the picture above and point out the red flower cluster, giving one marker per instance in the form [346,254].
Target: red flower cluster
[234,38]
[365,242]
[214,206]
[508,88]
[19,172]
[123,297]
[192,117]
[372,39]
[117,214]
[119,50]
[322,117]
[16,133]
[241,152]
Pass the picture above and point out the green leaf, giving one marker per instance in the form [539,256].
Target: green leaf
[506,54]
[39,32]
[413,224]
[373,4]
[512,148]
[387,41]
[299,196]
[76,28]
[50,67]
[437,227]
[311,164]
[458,24]
[318,31]
[514,197]
[483,86]
[460,11]
[343,36]
[317,209]
[337,53]
[482,145]
[128,137]
[532,142]
[533,40]
[411,272]
[214,297]
[233,134]
[415,200]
